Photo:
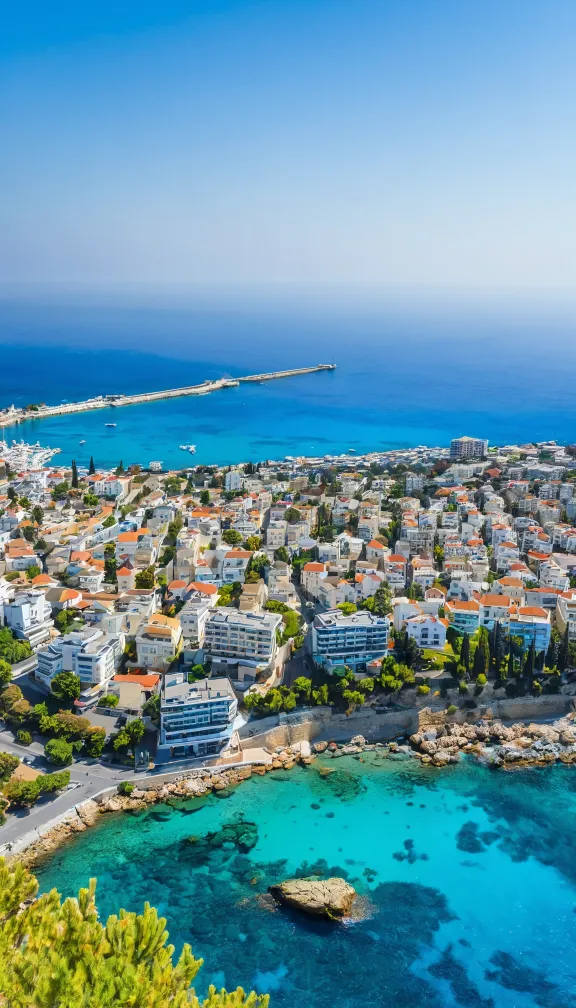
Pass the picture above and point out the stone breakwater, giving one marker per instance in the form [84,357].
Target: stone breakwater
[194,784]
[439,743]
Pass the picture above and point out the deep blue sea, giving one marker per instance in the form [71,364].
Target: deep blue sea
[403,377]
[469,875]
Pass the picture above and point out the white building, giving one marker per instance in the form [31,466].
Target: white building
[158,641]
[196,719]
[233,480]
[427,631]
[90,654]
[276,534]
[245,640]
[29,617]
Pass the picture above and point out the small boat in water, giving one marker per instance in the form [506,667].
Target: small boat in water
[81,442]
[184,447]
[109,424]
[192,449]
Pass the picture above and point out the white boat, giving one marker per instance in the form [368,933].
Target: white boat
[81,442]
[109,424]
[184,447]
[192,448]
[155,467]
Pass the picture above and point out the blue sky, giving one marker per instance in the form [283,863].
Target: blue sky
[310,144]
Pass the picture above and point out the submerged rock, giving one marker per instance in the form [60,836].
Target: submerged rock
[332,898]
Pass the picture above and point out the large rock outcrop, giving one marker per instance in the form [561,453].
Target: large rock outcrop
[332,898]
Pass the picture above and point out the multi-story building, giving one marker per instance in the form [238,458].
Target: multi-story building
[427,631]
[233,480]
[354,640]
[158,641]
[468,447]
[90,653]
[463,616]
[533,625]
[196,719]
[276,534]
[29,617]
[247,640]
[566,613]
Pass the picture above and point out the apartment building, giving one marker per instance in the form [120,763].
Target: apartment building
[158,641]
[468,447]
[354,640]
[246,640]
[196,719]
[90,653]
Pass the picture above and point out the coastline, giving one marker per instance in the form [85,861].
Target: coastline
[439,742]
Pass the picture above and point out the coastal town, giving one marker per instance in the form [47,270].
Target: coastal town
[254,614]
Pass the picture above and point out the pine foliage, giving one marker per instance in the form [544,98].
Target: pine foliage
[56,954]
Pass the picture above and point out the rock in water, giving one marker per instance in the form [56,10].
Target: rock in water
[332,898]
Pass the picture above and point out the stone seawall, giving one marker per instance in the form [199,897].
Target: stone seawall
[322,723]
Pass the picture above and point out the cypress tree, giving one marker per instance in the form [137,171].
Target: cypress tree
[551,653]
[74,475]
[479,661]
[465,654]
[530,663]
[91,467]
[510,662]
[563,652]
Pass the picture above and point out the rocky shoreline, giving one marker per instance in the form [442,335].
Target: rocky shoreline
[191,784]
[438,743]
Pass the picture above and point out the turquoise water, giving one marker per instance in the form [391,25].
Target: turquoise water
[470,876]
[402,379]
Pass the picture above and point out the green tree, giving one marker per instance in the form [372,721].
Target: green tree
[37,514]
[12,650]
[108,700]
[382,601]
[205,497]
[347,608]
[94,742]
[253,543]
[282,554]
[145,578]
[5,673]
[8,764]
[55,953]
[74,480]
[33,571]
[66,686]
[90,500]
[302,687]
[465,654]
[109,521]
[231,537]
[59,751]
[23,737]
[563,651]
[530,664]
[91,467]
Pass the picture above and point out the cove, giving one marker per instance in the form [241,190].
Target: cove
[469,876]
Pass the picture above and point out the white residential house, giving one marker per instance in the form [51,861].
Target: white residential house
[427,631]
[566,613]
[29,617]
[311,575]
[233,564]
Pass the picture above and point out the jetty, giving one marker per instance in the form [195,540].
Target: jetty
[13,415]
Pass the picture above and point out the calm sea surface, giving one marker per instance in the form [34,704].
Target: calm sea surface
[469,874]
[399,381]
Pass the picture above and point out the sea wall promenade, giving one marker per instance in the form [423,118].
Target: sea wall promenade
[14,415]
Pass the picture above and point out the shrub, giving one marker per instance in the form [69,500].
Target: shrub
[94,742]
[481,680]
[423,689]
[451,709]
[23,737]
[109,700]
[126,788]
